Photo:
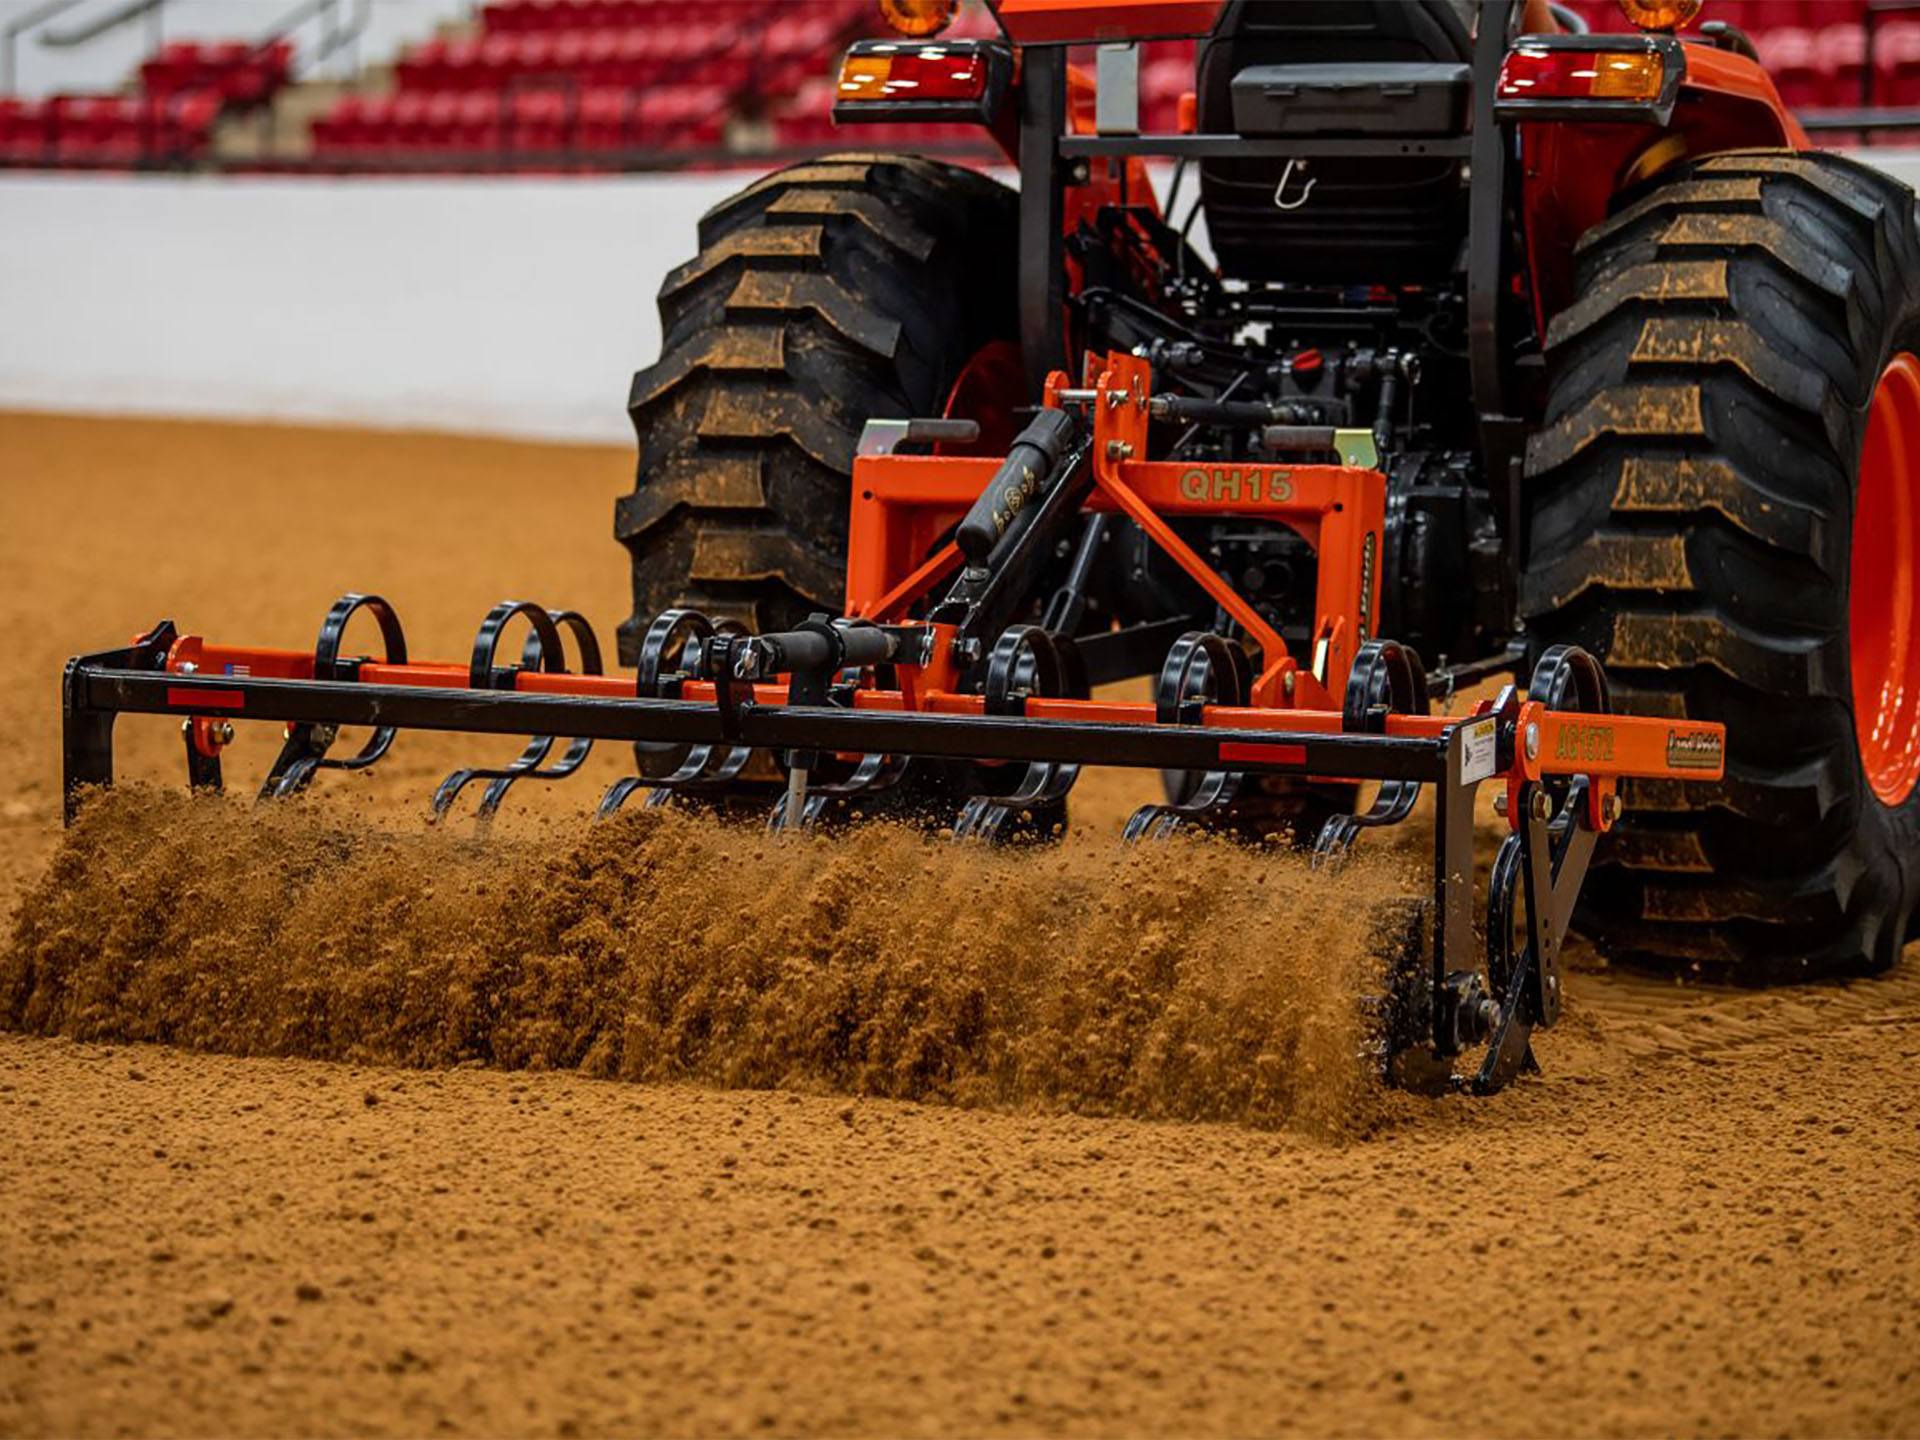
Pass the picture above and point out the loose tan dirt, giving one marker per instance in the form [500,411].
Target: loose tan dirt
[1700,1219]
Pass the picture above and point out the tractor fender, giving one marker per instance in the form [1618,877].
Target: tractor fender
[1572,171]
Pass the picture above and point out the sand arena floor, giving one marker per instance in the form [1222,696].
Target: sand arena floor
[1700,1219]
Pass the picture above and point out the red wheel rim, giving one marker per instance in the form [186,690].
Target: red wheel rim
[991,386]
[1884,618]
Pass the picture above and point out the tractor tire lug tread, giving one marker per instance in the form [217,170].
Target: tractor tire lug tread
[834,291]
[1688,504]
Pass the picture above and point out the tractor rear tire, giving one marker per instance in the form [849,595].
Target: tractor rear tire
[1690,504]
[824,295]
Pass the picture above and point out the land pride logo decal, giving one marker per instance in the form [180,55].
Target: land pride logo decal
[1238,483]
[1694,749]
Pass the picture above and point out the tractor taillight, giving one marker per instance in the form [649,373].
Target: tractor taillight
[1590,78]
[938,81]
[1543,73]
[912,72]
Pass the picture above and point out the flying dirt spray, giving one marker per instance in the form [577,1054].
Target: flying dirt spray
[1192,980]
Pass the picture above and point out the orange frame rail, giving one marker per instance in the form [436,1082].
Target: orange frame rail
[903,507]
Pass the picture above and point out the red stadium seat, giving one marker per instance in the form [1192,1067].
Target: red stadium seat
[1839,55]
[807,119]
[549,14]
[1164,78]
[600,57]
[537,119]
[477,123]
[1788,54]
[425,67]
[569,54]
[634,57]
[376,129]
[460,67]
[495,61]
[603,118]
[24,131]
[1896,63]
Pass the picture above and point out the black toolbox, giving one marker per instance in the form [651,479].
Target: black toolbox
[1366,98]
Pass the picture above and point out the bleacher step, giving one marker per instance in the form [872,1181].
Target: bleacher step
[283,132]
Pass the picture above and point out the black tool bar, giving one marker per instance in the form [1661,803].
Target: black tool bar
[960,737]
[1194,147]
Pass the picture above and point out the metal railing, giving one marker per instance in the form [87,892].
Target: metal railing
[10,37]
[112,20]
[160,140]
[333,36]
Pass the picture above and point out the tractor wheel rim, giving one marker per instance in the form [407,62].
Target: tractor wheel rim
[989,389]
[1884,611]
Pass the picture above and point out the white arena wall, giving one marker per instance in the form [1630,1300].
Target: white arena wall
[509,306]
[501,306]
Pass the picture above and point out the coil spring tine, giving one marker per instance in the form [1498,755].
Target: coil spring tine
[616,795]
[1155,822]
[446,792]
[1335,841]
[670,653]
[292,772]
[707,769]
[531,765]
[1027,661]
[987,816]
[873,773]
[588,644]
[543,648]
[497,787]
[1201,669]
[305,750]
[1387,678]
[980,819]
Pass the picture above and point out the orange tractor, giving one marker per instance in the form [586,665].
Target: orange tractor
[1525,349]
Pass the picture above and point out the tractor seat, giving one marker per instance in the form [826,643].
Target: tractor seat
[1386,68]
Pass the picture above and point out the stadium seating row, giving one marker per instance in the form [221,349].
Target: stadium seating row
[1822,68]
[116,131]
[634,75]
[634,57]
[184,87]
[504,17]
[595,75]
[239,73]
[540,121]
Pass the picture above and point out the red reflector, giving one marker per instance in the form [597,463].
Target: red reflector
[913,72]
[206,699]
[1263,754]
